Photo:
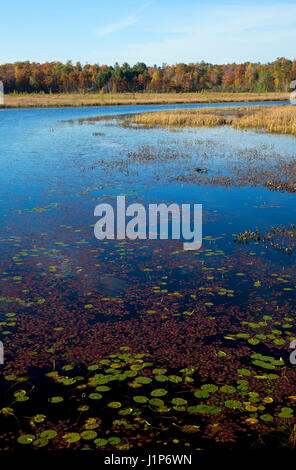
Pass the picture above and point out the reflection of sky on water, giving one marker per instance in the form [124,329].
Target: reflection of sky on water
[55,171]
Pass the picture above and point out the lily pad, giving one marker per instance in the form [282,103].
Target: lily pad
[156,402]
[114,404]
[56,399]
[72,437]
[143,380]
[103,388]
[266,417]
[179,401]
[95,396]
[201,394]
[159,371]
[125,411]
[175,379]
[161,378]
[114,440]
[243,371]
[88,435]
[101,442]
[286,413]
[158,392]
[228,389]
[26,439]
[41,442]
[140,399]
[48,434]
[233,404]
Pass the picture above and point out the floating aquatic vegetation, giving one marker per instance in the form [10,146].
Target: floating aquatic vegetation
[275,238]
[136,417]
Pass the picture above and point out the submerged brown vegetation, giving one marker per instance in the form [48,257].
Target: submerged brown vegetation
[279,119]
[45,100]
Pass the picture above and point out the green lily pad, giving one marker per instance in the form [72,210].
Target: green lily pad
[266,417]
[56,399]
[69,381]
[286,413]
[233,404]
[26,439]
[279,341]
[159,371]
[95,396]
[114,440]
[125,411]
[41,442]
[101,442]
[48,434]
[72,437]
[19,393]
[179,408]
[137,367]
[114,404]
[243,371]
[102,388]
[175,379]
[156,402]
[179,401]
[143,380]
[161,378]
[24,398]
[130,373]
[140,399]
[228,389]
[201,394]
[209,388]
[158,392]
[253,341]
[264,365]
[220,353]
[88,435]
[67,367]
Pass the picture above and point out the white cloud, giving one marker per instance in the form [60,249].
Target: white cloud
[117,26]
[122,23]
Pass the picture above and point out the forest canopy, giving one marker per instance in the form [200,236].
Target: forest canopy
[56,77]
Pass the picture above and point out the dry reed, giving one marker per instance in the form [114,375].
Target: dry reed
[39,100]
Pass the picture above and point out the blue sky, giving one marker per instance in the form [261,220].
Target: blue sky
[150,31]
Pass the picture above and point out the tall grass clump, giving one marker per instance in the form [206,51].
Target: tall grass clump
[275,119]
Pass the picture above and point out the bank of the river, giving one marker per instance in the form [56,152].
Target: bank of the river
[42,100]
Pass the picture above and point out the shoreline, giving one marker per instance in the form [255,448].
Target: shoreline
[51,101]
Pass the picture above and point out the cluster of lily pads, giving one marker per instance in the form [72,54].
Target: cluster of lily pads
[125,401]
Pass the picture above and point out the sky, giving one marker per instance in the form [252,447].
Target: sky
[150,31]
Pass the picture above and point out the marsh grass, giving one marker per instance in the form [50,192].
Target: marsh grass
[275,119]
[39,100]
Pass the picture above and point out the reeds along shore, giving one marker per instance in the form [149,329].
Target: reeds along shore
[40,100]
[275,119]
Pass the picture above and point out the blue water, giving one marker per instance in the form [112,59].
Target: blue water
[55,167]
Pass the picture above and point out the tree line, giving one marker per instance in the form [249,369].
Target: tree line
[57,77]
